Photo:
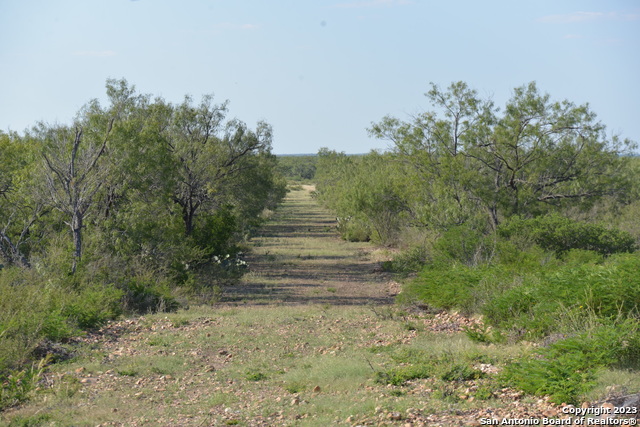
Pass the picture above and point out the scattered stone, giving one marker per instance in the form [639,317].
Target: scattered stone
[395,416]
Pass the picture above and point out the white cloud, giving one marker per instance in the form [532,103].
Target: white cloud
[95,53]
[589,17]
[372,3]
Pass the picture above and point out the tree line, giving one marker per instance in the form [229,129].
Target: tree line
[116,210]
[468,163]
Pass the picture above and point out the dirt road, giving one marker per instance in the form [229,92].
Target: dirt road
[300,259]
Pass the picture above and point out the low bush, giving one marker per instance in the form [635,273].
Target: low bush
[461,244]
[461,372]
[147,295]
[35,308]
[93,306]
[408,261]
[354,229]
[566,369]
[609,290]
[560,234]
[445,287]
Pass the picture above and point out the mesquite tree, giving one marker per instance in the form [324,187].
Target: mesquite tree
[208,153]
[536,155]
[74,170]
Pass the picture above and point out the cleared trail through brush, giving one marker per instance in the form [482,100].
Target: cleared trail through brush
[298,258]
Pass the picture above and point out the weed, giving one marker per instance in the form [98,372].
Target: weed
[67,386]
[460,372]
[18,386]
[447,394]
[128,372]
[158,341]
[400,375]
[484,334]
[409,326]
[295,387]
[177,322]
[383,313]
[386,348]
[483,393]
[255,376]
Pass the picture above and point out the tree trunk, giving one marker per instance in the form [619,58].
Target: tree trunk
[11,253]
[188,212]
[76,229]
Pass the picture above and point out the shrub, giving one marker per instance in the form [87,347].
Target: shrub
[446,287]
[567,369]
[93,306]
[215,232]
[31,310]
[412,259]
[145,294]
[354,229]
[564,379]
[560,234]
[608,290]
[462,244]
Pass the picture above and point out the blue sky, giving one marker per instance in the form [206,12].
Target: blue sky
[318,71]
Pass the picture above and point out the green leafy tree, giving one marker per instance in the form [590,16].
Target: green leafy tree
[367,192]
[537,155]
[19,210]
[209,153]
